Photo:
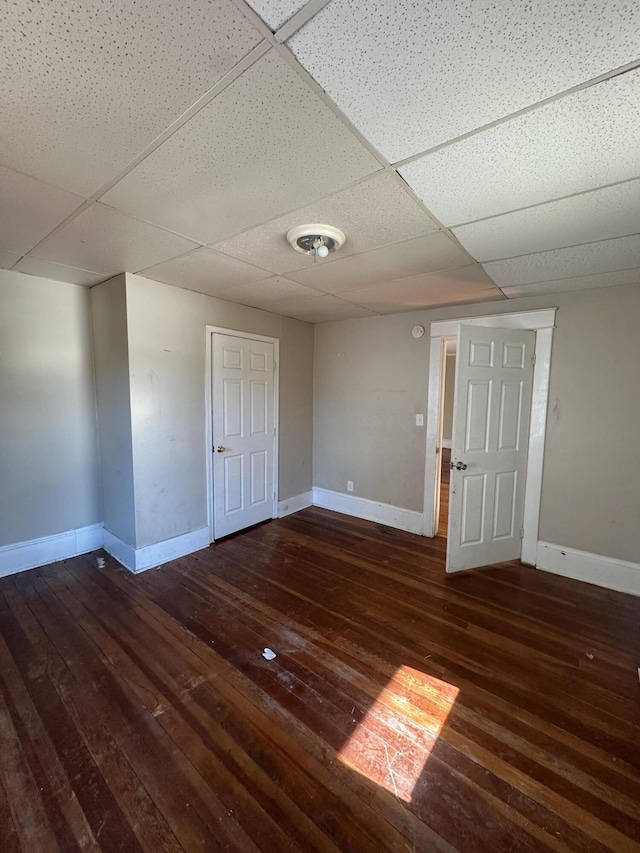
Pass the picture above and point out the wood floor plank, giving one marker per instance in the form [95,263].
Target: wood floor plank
[405,709]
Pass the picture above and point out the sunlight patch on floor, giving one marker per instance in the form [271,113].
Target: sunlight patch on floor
[394,737]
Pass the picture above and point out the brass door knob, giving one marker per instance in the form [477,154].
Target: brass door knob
[221,449]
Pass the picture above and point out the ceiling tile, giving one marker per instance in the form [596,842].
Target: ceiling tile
[29,210]
[604,256]
[265,145]
[8,259]
[86,86]
[319,309]
[57,272]
[596,215]
[356,211]
[104,240]
[421,255]
[580,142]
[582,282]
[469,284]
[205,271]
[263,293]
[396,68]
[275,13]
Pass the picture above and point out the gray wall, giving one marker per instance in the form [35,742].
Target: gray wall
[449,384]
[166,332]
[49,481]
[371,378]
[111,357]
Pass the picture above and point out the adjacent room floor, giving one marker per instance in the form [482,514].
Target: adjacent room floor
[405,710]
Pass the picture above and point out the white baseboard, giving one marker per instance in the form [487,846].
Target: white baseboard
[138,560]
[295,504]
[591,568]
[447,443]
[49,549]
[392,516]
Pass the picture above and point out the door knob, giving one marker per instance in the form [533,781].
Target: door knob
[220,448]
[459,466]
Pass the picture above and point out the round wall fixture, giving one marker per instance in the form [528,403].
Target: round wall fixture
[417,332]
[316,240]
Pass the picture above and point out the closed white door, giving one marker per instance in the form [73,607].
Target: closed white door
[492,406]
[243,432]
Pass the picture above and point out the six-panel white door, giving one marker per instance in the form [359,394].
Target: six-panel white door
[492,406]
[243,432]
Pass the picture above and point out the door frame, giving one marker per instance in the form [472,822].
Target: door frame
[210,331]
[542,323]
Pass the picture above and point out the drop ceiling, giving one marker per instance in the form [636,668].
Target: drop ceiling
[470,150]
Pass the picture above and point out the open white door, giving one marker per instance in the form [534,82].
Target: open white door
[492,405]
[243,432]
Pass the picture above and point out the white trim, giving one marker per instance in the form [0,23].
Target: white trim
[295,504]
[543,319]
[591,568]
[543,323]
[155,555]
[208,397]
[49,549]
[392,516]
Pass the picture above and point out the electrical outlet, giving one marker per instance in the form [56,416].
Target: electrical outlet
[419,420]
[349,485]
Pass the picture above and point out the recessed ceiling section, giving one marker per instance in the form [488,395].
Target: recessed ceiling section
[57,272]
[265,145]
[399,260]
[622,253]
[275,13]
[86,86]
[106,241]
[320,309]
[373,213]
[596,215]
[469,284]
[205,271]
[29,210]
[262,294]
[581,142]
[582,282]
[397,68]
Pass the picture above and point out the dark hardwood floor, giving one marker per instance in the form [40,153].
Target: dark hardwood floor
[445,479]
[496,710]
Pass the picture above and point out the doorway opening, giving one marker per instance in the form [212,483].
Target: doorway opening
[542,324]
[446,434]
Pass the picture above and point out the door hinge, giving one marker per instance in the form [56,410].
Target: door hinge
[522,533]
[533,358]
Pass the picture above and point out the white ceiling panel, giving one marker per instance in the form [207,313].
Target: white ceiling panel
[57,272]
[469,284]
[371,214]
[580,142]
[582,282]
[29,210]
[205,271]
[319,309]
[596,215]
[8,259]
[411,74]
[605,256]
[104,240]
[399,260]
[265,145]
[261,294]
[275,13]
[87,85]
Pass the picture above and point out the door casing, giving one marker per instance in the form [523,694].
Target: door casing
[543,323]
[208,396]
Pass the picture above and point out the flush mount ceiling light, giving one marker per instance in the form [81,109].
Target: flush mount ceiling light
[316,240]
